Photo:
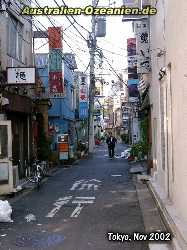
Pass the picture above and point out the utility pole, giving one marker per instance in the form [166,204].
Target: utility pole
[92,46]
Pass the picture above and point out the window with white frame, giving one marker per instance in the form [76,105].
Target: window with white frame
[15,38]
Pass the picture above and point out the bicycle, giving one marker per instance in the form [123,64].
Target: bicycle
[36,173]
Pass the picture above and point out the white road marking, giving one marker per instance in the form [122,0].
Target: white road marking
[58,204]
[116,175]
[76,184]
[79,201]
[85,185]
[3,235]
[87,198]
[82,202]
[30,217]
[93,180]
[88,187]
[77,211]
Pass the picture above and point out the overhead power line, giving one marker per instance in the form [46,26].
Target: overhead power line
[74,17]
[63,40]
[70,21]
[54,25]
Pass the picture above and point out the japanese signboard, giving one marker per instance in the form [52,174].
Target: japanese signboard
[63,146]
[83,112]
[142,40]
[132,64]
[133,90]
[133,81]
[132,61]
[21,76]
[83,92]
[55,37]
[55,60]
[83,99]
[131,46]
[56,63]
[132,67]
[56,84]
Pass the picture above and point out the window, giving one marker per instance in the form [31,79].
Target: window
[15,38]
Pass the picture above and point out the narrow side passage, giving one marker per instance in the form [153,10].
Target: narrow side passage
[77,207]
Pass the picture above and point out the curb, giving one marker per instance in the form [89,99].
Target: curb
[170,224]
[152,219]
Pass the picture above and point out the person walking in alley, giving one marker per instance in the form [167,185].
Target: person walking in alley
[111,142]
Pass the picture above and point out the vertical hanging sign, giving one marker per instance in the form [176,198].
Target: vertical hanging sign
[132,68]
[83,98]
[56,64]
[142,42]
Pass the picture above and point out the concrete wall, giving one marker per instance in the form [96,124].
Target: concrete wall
[157,38]
[169,106]
[176,38]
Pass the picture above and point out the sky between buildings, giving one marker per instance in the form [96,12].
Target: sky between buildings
[115,40]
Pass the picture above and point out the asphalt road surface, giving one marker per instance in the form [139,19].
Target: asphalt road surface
[76,209]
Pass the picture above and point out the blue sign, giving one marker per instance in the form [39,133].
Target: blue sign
[83,110]
[55,60]
[133,82]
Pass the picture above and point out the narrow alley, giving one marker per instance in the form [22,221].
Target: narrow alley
[76,208]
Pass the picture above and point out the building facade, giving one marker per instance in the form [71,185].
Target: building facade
[168,90]
[61,115]
[16,51]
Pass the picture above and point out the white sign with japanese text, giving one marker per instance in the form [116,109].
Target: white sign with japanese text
[21,75]
[83,92]
[142,46]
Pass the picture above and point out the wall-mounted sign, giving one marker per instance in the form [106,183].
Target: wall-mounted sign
[56,64]
[83,97]
[131,46]
[83,93]
[56,60]
[142,42]
[133,81]
[62,138]
[21,75]
[56,84]
[63,146]
[55,37]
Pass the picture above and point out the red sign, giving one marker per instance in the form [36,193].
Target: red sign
[56,84]
[55,37]
[131,46]
[83,93]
